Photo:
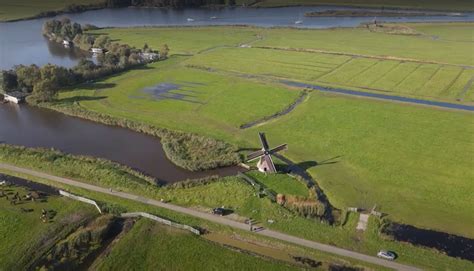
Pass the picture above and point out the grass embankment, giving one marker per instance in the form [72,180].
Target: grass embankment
[178,250]
[458,5]
[24,9]
[25,238]
[232,193]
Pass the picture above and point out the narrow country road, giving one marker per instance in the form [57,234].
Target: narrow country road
[216,219]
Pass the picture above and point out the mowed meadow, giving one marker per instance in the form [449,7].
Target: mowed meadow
[354,58]
[414,162]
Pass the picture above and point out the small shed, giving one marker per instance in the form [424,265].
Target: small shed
[15,97]
[97,50]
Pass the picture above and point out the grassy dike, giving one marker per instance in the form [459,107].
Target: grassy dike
[229,192]
[132,206]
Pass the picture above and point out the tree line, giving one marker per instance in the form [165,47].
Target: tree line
[44,82]
[169,3]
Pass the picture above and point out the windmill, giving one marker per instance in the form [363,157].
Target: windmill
[265,164]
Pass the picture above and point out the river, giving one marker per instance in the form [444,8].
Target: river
[34,127]
[22,42]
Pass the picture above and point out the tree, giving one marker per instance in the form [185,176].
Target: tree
[8,81]
[164,51]
[27,77]
[102,41]
[44,91]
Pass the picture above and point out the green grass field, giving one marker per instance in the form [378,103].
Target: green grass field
[174,249]
[377,142]
[370,61]
[412,161]
[24,237]
[246,204]
[20,9]
[354,129]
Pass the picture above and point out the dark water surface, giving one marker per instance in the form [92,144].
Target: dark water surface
[452,245]
[34,127]
[22,42]
[381,96]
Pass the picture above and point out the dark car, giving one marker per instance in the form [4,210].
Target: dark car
[219,211]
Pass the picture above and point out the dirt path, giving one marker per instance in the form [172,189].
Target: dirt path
[216,219]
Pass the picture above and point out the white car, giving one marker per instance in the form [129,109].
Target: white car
[387,255]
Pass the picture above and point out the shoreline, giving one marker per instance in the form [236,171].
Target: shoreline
[85,8]
[374,13]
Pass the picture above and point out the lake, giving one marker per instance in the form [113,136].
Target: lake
[22,42]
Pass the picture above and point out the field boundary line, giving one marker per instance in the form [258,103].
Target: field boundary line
[394,88]
[321,78]
[362,71]
[217,219]
[466,88]
[445,91]
[361,55]
[383,75]
[427,81]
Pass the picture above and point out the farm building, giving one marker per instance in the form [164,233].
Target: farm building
[15,97]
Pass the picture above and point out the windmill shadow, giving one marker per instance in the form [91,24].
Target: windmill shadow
[307,165]
[329,161]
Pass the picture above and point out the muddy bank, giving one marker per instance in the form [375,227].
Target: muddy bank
[449,244]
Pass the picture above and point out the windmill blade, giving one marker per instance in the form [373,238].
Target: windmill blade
[279,148]
[269,161]
[255,155]
[264,141]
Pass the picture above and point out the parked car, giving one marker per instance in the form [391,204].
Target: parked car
[218,211]
[387,255]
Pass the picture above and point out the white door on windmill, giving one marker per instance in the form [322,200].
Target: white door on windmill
[265,163]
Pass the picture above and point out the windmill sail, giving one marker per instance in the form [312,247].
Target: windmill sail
[265,163]
[264,141]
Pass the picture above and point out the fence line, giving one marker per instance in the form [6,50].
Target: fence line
[79,198]
[162,221]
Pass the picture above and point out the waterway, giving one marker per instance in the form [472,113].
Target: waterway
[22,42]
[34,127]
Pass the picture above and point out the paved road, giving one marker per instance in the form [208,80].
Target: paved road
[216,219]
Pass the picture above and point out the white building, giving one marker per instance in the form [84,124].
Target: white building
[97,50]
[15,97]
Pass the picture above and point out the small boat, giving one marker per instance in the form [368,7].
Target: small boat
[213,17]
[299,22]
[190,20]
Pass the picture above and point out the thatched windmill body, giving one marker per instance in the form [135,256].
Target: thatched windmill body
[265,163]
